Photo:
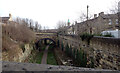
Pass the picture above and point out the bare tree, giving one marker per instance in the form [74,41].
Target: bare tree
[115,7]
[39,27]
[61,24]
[18,20]
[26,21]
[61,27]
[31,24]
[83,17]
[36,26]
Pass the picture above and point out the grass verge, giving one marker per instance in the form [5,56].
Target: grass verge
[51,58]
[36,57]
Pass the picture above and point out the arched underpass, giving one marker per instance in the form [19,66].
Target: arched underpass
[46,41]
[47,45]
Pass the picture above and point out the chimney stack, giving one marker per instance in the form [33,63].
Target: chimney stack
[101,13]
[95,15]
[75,22]
[10,17]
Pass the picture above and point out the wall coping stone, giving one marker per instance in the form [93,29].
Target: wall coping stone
[16,66]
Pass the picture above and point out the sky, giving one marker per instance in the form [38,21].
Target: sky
[49,12]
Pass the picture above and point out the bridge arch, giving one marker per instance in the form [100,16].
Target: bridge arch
[45,40]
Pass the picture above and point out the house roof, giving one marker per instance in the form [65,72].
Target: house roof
[105,16]
[108,16]
[5,18]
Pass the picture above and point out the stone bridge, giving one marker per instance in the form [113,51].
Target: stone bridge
[51,36]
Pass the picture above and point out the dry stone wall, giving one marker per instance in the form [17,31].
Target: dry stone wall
[104,51]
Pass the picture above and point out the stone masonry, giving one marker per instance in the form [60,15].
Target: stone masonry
[105,51]
[44,68]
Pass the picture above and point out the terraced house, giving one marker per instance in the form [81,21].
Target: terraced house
[102,22]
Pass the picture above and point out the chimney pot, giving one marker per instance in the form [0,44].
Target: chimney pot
[101,13]
[95,15]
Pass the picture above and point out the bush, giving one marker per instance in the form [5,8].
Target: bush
[67,49]
[70,51]
[81,58]
[74,54]
[108,35]
[97,34]
[92,63]
[19,32]
[87,37]
[62,47]
[58,43]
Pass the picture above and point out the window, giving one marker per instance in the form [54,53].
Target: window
[110,21]
[116,21]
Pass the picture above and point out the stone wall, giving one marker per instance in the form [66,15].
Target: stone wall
[15,67]
[26,53]
[17,55]
[105,51]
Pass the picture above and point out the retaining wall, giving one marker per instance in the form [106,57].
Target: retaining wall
[105,51]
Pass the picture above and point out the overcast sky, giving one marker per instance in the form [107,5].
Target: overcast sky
[49,12]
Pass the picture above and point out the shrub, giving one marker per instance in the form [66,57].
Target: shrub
[58,43]
[97,34]
[92,63]
[67,49]
[81,58]
[86,36]
[62,47]
[70,51]
[108,35]
[74,54]
[19,32]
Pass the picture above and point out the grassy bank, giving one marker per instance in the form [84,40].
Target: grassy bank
[51,58]
[35,57]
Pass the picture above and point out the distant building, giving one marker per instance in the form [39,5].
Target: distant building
[68,23]
[98,24]
[6,19]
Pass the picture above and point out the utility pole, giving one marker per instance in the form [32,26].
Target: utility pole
[87,20]
[87,11]
[90,28]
